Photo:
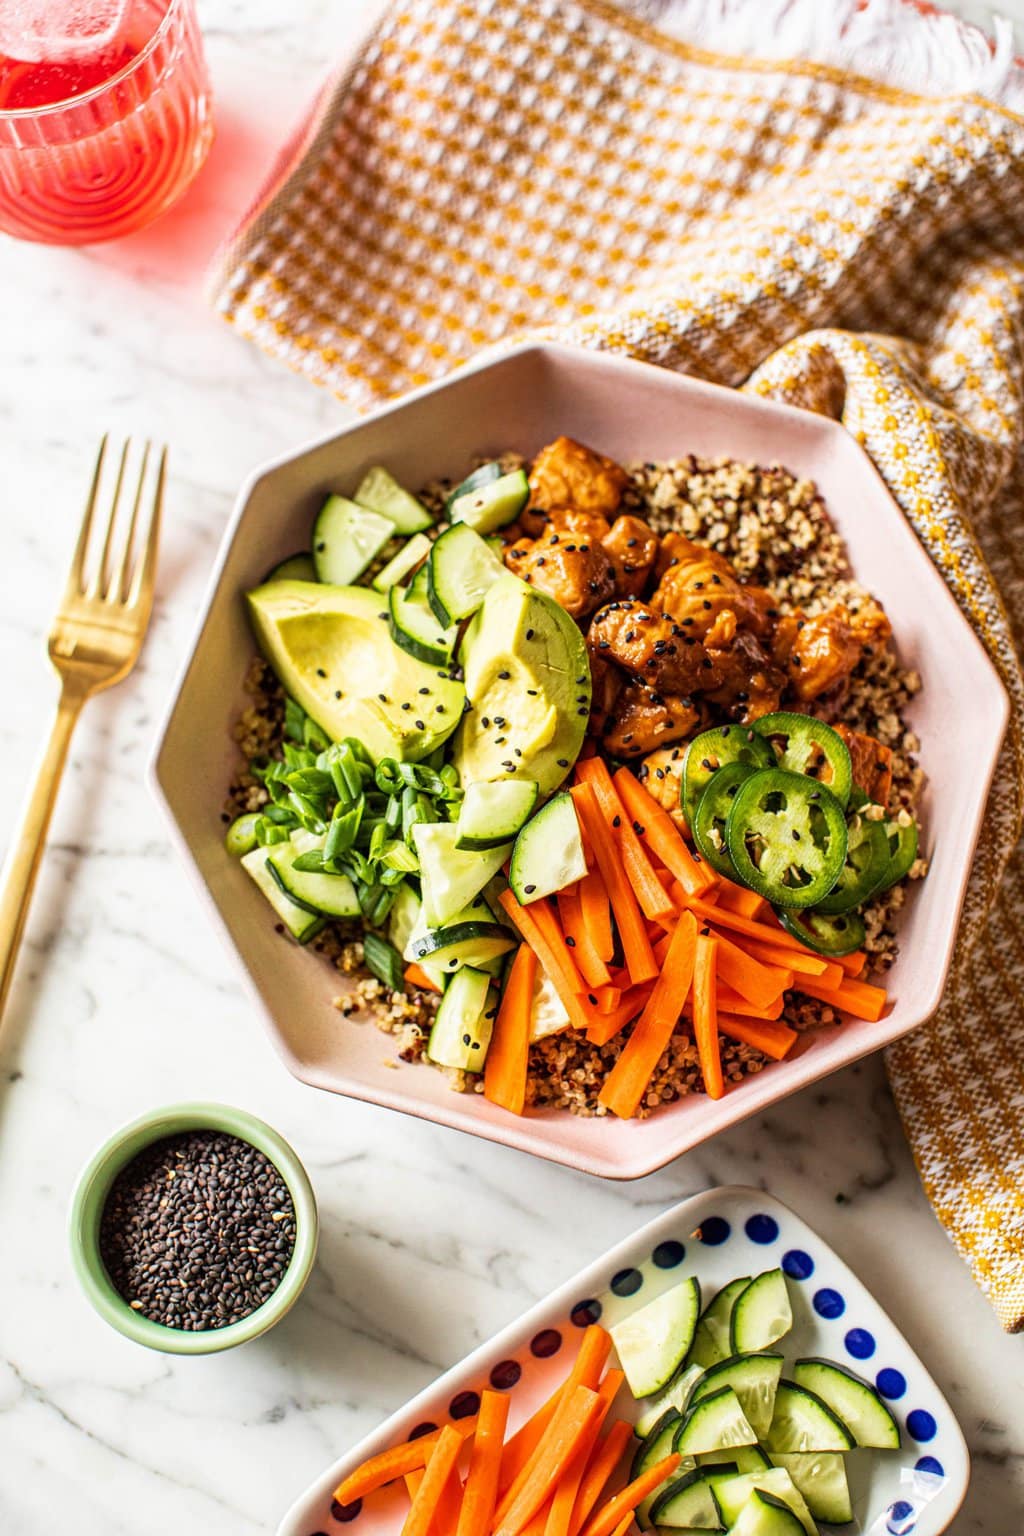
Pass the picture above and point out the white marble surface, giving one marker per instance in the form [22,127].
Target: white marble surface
[124,1000]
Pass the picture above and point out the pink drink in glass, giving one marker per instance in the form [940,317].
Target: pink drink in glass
[99,144]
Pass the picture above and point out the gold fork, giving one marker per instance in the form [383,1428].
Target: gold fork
[94,642]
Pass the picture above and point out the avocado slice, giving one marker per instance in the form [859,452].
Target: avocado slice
[528,682]
[331,647]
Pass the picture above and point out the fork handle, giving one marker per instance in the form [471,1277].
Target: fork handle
[26,851]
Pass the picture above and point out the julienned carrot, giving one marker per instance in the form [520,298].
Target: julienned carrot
[543,914]
[604,1459]
[636,946]
[595,912]
[385,1468]
[508,1056]
[417,977]
[607,1025]
[608,998]
[548,1462]
[662,835]
[624,1087]
[804,964]
[856,997]
[751,978]
[776,1040]
[731,1002]
[625,1526]
[412,1481]
[853,964]
[592,967]
[559,1514]
[449,1505]
[705,1014]
[536,929]
[737,898]
[481,1491]
[654,900]
[709,913]
[443,1457]
[608,1519]
[591,1358]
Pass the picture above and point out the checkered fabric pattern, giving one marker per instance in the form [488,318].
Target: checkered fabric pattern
[487,169]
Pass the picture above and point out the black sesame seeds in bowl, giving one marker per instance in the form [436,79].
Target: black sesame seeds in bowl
[194,1229]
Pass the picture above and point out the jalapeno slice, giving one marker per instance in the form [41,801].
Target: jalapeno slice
[839,935]
[867,864]
[712,750]
[902,843]
[806,745]
[712,813]
[786,836]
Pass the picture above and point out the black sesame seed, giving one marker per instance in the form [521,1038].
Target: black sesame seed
[528,890]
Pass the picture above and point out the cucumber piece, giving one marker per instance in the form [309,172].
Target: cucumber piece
[761,1313]
[331,895]
[675,1395]
[484,475]
[300,922]
[298,567]
[380,492]
[716,1423]
[821,1477]
[451,876]
[852,1400]
[471,938]
[754,1379]
[491,506]
[765,1515]
[733,1493]
[464,1023]
[652,1342]
[653,1448]
[240,837]
[548,853]
[711,1341]
[492,814]
[748,1458]
[414,626]
[411,554]
[403,917]
[345,539]
[460,572]
[802,1422]
[688,1503]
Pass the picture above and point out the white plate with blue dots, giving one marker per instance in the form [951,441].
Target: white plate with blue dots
[913,1491]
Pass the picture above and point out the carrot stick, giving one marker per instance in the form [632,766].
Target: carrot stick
[774,1039]
[737,898]
[553,956]
[443,1458]
[827,973]
[595,912]
[595,1347]
[508,1055]
[607,1026]
[417,977]
[624,1087]
[446,1516]
[519,1505]
[412,1481]
[635,943]
[606,1522]
[592,967]
[624,1528]
[481,1493]
[605,1458]
[856,997]
[751,978]
[853,964]
[543,914]
[661,834]
[705,1014]
[608,998]
[731,1002]
[652,896]
[559,1514]
[737,924]
[385,1468]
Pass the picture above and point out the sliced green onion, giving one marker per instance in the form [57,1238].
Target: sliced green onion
[242,835]
[384,961]
[294,720]
[341,834]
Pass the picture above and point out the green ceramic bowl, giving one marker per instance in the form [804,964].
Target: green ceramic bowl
[94,1186]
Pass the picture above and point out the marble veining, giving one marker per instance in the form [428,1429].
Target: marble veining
[124,999]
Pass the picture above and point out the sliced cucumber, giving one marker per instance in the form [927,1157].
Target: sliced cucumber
[484,475]
[492,814]
[765,1515]
[412,553]
[471,938]
[821,1478]
[687,1503]
[548,853]
[802,1422]
[240,837]
[300,922]
[345,539]
[380,492]
[716,1423]
[748,1458]
[465,1021]
[652,1449]
[492,505]
[450,876]
[652,1342]
[852,1400]
[711,1341]
[675,1395]
[460,572]
[298,567]
[733,1493]
[762,1313]
[414,626]
[333,895]
[754,1379]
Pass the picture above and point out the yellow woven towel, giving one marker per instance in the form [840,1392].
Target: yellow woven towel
[503,166]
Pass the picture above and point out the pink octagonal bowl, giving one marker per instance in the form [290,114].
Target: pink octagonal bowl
[631,411]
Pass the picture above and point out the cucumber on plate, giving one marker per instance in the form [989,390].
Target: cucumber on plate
[761,1314]
[346,538]
[548,853]
[765,1515]
[654,1447]
[711,1341]
[821,1478]
[688,1503]
[471,938]
[492,814]
[748,1458]
[380,492]
[754,1379]
[464,1021]
[412,553]
[299,567]
[803,1422]
[858,1406]
[675,1395]
[733,1495]
[451,876]
[414,625]
[652,1342]
[460,572]
[491,504]
[715,1423]
[301,922]
[330,895]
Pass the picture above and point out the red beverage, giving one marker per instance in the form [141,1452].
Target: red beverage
[101,141]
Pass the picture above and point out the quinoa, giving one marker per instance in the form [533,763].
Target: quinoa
[775,530]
